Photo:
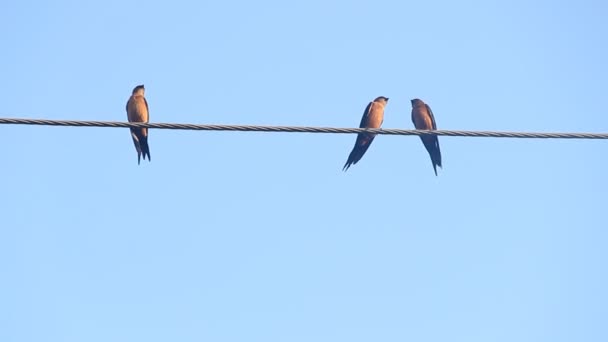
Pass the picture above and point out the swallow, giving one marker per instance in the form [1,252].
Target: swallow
[422,117]
[137,111]
[372,118]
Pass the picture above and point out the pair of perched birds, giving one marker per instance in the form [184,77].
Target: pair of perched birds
[422,117]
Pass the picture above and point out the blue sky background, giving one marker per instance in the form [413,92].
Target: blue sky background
[262,237]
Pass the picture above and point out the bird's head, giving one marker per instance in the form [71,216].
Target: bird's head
[381,99]
[417,102]
[139,89]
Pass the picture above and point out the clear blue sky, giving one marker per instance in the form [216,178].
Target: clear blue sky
[262,237]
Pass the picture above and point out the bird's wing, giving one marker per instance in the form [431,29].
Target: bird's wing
[365,119]
[129,108]
[428,109]
[147,118]
[147,110]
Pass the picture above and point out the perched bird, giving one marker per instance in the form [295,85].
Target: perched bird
[422,117]
[372,118]
[137,111]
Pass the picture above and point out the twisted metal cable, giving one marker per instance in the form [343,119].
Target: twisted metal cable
[302,129]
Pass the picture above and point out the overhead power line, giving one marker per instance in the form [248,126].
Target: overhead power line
[301,129]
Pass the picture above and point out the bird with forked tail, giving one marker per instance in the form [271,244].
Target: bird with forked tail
[423,119]
[372,118]
[137,111]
